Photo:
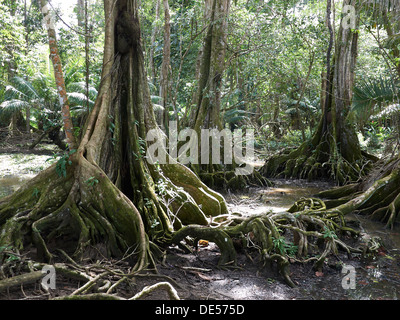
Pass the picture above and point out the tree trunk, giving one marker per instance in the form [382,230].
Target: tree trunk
[165,67]
[206,112]
[80,12]
[107,191]
[333,151]
[391,30]
[212,68]
[152,68]
[28,110]
[11,71]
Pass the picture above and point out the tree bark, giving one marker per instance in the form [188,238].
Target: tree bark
[212,68]
[154,34]
[165,67]
[390,30]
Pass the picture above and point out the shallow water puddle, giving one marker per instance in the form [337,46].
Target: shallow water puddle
[15,169]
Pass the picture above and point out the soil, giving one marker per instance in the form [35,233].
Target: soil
[196,276]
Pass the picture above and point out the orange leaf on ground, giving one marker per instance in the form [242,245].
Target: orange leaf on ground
[203,243]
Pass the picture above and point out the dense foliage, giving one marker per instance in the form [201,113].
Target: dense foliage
[276,53]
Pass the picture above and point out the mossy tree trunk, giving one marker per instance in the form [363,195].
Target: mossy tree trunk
[212,67]
[334,150]
[106,191]
[166,66]
[207,100]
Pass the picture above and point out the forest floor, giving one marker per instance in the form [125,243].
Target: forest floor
[196,276]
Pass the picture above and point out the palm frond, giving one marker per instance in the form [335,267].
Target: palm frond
[376,7]
[373,92]
[393,40]
[14,105]
[25,86]
[13,93]
[156,99]
[81,88]
[78,99]
[78,110]
[73,71]
[235,115]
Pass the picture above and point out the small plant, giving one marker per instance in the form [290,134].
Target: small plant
[141,146]
[162,187]
[62,162]
[92,181]
[148,202]
[7,250]
[36,193]
[329,234]
[61,166]
[284,247]
[154,224]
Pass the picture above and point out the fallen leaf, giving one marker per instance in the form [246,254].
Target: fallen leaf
[203,243]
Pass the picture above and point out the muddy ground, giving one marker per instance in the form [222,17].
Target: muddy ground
[196,277]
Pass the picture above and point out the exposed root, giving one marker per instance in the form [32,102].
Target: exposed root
[228,180]
[85,208]
[20,279]
[308,232]
[220,237]
[87,213]
[321,156]
[389,213]
[99,280]
[173,295]
[378,199]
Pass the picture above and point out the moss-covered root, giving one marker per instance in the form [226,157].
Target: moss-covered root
[284,268]
[220,237]
[315,159]
[389,214]
[73,206]
[212,203]
[379,199]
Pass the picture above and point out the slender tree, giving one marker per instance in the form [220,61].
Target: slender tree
[59,76]
[212,66]
[154,33]
[166,65]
